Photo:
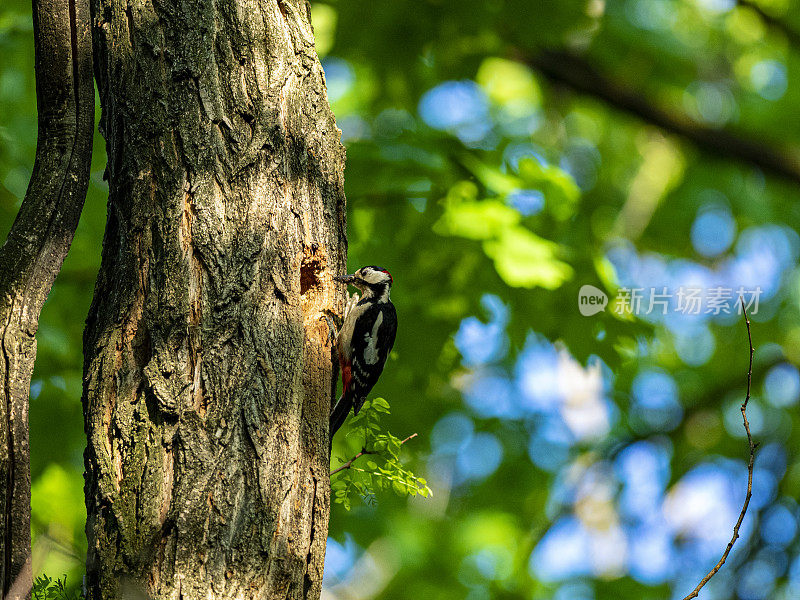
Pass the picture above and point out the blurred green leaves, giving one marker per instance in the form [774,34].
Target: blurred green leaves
[465,216]
[57,502]
[559,188]
[521,258]
[58,519]
[508,83]
[440,214]
[323,16]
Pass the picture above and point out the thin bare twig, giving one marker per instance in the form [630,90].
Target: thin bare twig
[364,452]
[752,446]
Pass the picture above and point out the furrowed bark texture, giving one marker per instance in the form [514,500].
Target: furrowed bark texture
[34,251]
[208,369]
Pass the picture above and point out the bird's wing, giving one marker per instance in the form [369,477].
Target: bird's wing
[373,339]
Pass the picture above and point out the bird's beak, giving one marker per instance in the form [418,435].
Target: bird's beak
[345,278]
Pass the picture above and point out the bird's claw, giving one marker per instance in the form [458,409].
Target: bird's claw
[330,319]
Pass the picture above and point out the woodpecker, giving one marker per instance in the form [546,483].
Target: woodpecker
[365,339]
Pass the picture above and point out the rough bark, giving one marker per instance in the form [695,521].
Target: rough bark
[34,251]
[207,375]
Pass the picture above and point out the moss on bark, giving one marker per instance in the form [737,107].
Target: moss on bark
[207,363]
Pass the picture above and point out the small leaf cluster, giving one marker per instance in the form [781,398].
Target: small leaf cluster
[46,588]
[377,468]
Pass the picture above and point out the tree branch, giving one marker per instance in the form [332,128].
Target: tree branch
[773,22]
[576,73]
[34,251]
[364,452]
[752,447]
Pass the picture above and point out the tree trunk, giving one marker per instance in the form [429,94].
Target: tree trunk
[34,251]
[208,376]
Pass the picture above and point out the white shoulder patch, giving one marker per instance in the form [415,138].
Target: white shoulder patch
[371,351]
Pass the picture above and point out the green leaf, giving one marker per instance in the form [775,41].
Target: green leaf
[482,220]
[382,470]
[491,177]
[508,82]
[380,402]
[559,188]
[523,259]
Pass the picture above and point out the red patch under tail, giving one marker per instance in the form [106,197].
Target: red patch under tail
[346,377]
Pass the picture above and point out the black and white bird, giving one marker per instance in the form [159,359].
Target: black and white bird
[365,339]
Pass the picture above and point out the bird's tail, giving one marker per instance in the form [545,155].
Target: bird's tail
[339,414]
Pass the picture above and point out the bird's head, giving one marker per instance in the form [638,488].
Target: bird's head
[371,280]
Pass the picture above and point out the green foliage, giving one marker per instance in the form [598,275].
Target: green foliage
[45,588]
[378,467]
[521,258]
[438,213]
[57,497]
